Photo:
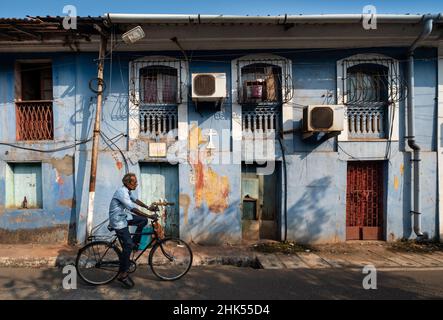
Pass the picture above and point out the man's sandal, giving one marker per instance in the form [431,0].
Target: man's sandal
[127,282]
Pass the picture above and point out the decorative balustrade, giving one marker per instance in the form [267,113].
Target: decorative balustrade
[34,120]
[367,121]
[261,119]
[158,121]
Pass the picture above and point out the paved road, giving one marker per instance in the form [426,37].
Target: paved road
[226,282]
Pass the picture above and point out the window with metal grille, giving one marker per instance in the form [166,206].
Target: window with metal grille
[34,113]
[261,82]
[371,87]
[155,91]
[158,85]
[264,85]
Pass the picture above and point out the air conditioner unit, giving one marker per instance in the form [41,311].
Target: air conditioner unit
[323,118]
[208,86]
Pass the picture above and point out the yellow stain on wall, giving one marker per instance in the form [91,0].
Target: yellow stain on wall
[195,138]
[402,169]
[211,188]
[395,182]
[185,201]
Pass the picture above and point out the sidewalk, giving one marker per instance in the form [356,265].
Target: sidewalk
[346,255]
[33,255]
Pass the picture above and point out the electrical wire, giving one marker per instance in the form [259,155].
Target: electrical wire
[61,148]
[105,137]
[45,151]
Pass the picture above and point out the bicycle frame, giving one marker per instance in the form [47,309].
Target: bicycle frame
[153,240]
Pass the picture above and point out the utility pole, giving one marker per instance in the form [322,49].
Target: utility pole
[96,133]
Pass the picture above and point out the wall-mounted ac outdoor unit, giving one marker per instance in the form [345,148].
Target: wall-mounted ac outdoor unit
[208,86]
[323,118]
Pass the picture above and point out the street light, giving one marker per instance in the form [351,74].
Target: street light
[133,35]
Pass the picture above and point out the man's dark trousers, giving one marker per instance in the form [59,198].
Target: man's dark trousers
[127,243]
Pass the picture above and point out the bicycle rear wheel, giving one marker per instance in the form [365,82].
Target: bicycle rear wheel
[98,262]
[170,259]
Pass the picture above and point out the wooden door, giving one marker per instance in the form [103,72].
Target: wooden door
[364,200]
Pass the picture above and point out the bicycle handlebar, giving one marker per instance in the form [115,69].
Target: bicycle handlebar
[164,203]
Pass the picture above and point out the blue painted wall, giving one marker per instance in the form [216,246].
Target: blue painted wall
[55,222]
[316,171]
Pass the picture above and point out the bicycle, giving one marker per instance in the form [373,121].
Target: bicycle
[169,258]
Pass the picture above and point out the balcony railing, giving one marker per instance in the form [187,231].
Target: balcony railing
[34,120]
[158,121]
[367,121]
[261,119]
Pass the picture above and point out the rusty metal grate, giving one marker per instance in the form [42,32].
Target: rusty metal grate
[364,201]
[34,120]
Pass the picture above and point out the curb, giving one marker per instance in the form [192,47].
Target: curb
[61,261]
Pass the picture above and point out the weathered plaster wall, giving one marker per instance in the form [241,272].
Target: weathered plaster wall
[210,191]
[55,222]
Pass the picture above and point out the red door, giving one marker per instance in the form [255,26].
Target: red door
[364,200]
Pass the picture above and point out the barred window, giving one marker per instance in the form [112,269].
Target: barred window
[261,83]
[34,110]
[368,82]
[158,85]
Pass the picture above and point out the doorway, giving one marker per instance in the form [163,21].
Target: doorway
[160,181]
[364,200]
[260,202]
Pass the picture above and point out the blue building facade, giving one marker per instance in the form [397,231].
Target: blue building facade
[209,168]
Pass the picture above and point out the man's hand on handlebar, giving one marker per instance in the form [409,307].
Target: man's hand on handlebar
[153,216]
[152,207]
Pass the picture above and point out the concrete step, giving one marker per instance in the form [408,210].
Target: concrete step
[292,261]
[313,260]
[269,261]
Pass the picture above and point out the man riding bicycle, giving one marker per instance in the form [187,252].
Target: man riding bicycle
[122,205]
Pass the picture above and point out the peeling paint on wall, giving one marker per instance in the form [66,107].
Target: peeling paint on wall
[211,188]
[64,166]
[70,203]
[59,180]
[118,163]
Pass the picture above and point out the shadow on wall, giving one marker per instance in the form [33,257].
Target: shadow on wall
[206,227]
[309,216]
[84,120]
[119,110]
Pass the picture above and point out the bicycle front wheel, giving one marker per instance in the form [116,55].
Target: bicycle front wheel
[98,262]
[170,259]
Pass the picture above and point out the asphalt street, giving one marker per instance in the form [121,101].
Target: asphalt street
[228,283]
